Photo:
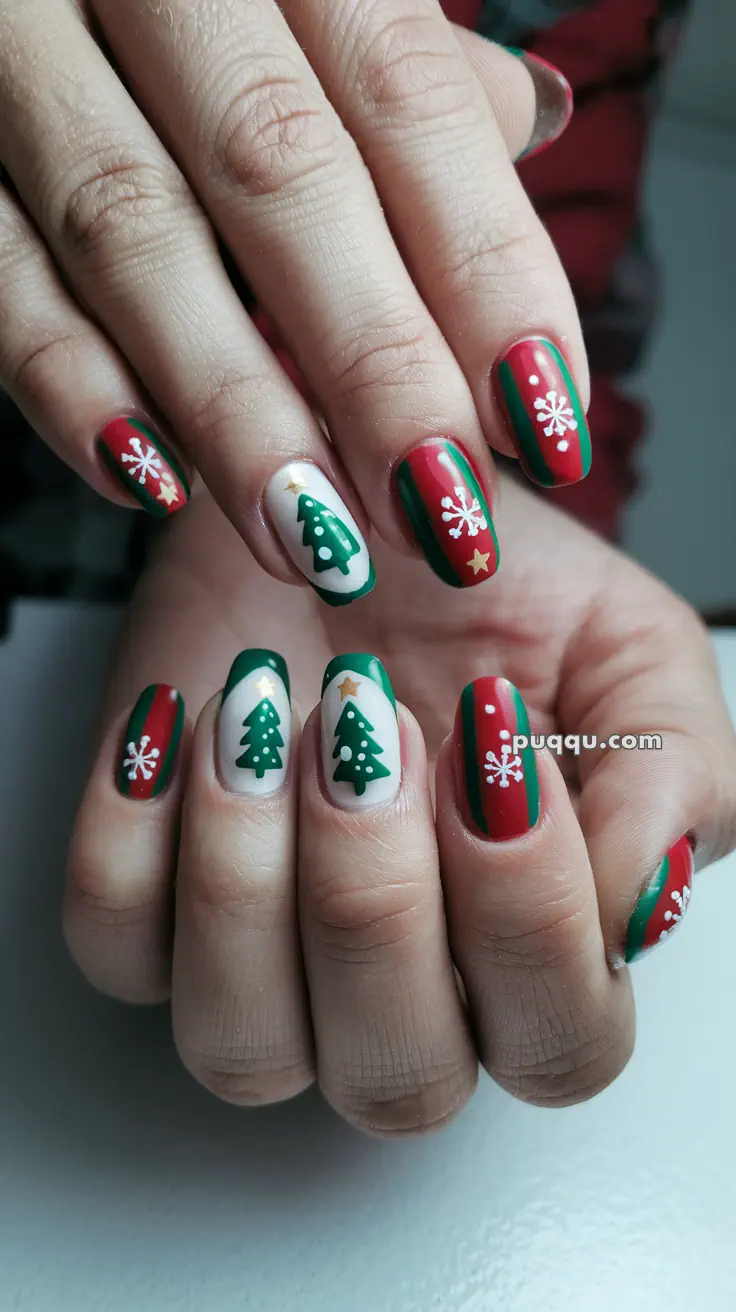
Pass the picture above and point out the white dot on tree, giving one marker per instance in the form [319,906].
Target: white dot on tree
[346,753]
[309,503]
[351,715]
[256,759]
[364,742]
[361,756]
[325,553]
[369,769]
[318,531]
[266,750]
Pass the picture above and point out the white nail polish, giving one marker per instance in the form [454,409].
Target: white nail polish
[319,533]
[254,725]
[361,749]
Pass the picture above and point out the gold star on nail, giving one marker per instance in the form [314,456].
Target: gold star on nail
[479,561]
[168,493]
[348,688]
[264,687]
[296,484]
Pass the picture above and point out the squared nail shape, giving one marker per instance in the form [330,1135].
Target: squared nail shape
[361,749]
[138,460]
[151,743]
[319,533]
[254,724]
[449,513]
[663,903]
[501,785]
[537,396]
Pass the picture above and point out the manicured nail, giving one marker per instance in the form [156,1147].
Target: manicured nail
[361,751]
[663,903]
[138,460]
[448,511]
[151,743]
[535,392]
[319,533]
[254,724]
[554,101]
[501,786]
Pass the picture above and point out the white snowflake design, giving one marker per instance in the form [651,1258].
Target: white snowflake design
[468,515]
[143,463]
[503,770]
[681,900]
[139,758]
[554,411]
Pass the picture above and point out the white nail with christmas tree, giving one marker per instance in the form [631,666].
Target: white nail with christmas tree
[361,748]
[319,533]
[254,726]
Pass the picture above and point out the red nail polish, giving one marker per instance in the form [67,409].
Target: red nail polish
[500,784]
[138,460]
[537,396]
[663,903]
[151,743]
[448,510]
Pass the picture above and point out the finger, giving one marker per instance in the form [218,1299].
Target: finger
[393,1051]
[289,192]
[68,379]
[553,1024]
[117,908]
[532,112]
[654,681]
[484,265]
[128,234]
[239,1004]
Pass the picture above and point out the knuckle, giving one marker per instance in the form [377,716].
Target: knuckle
[99,901]
[396,353]
[352,924]
[121,207]
[234,400]
[412,71]
[415,1103]
[274,136]
[241,897]
[557,940]
[501,266]
[40,368]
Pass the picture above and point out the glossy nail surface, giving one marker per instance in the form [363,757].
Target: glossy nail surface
[448,510]
[138,460]
[535,391]
[319,533]
[361,751]
[663,903]
[554,101]
[500,785]
[254,724]
[151,743]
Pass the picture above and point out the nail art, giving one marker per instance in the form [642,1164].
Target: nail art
[535,392]
[138,460]
[361,751]
[448,511]
[319,533]
[501,785]
[663,903]
[554,101]
[254,724]
[151,743]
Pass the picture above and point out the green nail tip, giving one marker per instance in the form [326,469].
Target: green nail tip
[254,658]
[644,910]
[360,663]
[344,598]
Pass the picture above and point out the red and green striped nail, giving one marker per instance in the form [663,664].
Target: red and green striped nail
[663,903]
[500,784]
[449,513]
[151,743]
[138,460]
[537,396]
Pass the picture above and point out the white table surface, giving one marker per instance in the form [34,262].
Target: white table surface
[126,1188]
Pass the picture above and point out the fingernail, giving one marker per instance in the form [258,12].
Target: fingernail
[663,903]
[361,751]
[254,724]
[151,743]
[535,392]
[500,785]
[138,460]
[319,533]
[554,101]
[448,511]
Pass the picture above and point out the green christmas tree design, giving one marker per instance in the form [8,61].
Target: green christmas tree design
[331,541]
[262,740]
[357,751]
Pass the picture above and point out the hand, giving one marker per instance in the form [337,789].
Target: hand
[396,286]
[538,914]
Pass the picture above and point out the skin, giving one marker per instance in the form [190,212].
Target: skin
[346,976]
[395,285]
